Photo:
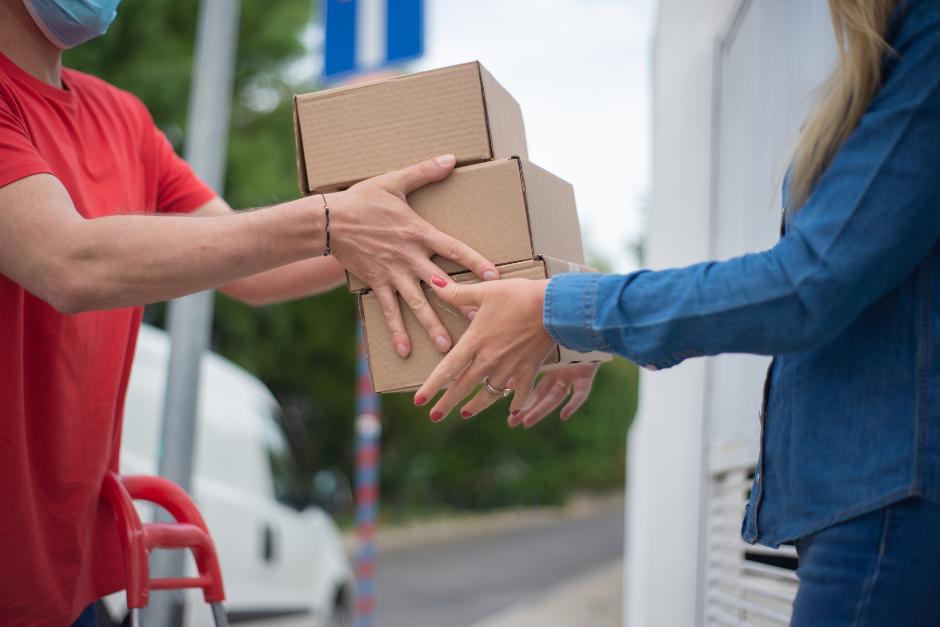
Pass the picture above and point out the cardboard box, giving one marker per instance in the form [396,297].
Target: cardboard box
[392,373]
[348,134]
[508,210]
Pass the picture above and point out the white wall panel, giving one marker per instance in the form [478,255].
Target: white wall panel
[772,57]
[733,80]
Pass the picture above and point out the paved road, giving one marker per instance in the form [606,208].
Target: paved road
[463,582]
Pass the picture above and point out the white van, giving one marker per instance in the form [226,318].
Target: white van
[281,565]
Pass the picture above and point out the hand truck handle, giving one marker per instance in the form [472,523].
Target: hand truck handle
[138,539]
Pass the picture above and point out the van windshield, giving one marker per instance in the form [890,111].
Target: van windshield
[287,482]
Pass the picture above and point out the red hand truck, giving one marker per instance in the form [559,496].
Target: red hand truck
[138,540]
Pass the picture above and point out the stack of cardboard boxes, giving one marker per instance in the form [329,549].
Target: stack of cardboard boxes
[519,216]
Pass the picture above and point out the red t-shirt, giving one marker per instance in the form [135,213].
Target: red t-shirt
[63,377]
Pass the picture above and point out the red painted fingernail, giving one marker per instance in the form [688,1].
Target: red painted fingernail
[436,416]
[465,413]
[515,412]
[420,399]
[438,281]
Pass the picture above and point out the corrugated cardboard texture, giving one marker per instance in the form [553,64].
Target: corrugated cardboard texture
[556,232]
[507,135]
[508,210]
[483,206]
[301,160]
[348,134]
[392,373]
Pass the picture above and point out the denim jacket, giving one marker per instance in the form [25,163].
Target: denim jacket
[846,301]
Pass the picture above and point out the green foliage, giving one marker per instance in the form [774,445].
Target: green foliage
[481,463]
[305,351]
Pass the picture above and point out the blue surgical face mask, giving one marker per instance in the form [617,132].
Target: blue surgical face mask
[67,23]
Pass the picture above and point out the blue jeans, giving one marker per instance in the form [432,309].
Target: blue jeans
[86,618]
[879,569]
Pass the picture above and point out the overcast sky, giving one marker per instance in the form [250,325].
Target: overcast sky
[580,71]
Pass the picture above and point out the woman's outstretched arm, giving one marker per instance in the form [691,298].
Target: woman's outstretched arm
[872,218]
[874,215]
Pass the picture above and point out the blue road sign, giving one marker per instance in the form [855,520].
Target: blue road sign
[369,35]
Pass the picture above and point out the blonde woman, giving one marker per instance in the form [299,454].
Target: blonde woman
[848,302]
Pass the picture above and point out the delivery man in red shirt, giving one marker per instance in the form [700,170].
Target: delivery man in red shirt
[98,217]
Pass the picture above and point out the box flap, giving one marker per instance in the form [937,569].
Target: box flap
[553,214]
[299,146]
[365,339]
[504,119]
[555,266]
[526,269]
[567,357]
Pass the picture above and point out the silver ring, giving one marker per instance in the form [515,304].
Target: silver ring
[489,388]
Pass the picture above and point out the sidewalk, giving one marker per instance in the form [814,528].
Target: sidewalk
[593,599]
[427,532]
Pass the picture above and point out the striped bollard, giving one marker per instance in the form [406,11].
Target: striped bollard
[368,436]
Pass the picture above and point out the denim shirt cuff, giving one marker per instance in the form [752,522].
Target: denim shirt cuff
[569,311]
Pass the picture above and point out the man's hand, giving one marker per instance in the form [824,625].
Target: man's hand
[380,239]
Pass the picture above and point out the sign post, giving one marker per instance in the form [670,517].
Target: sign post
[368,438]
[363,38]
[190,317]
[367,36]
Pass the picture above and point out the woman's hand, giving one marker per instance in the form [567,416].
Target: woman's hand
[552,390]
[378,238]
[505,344]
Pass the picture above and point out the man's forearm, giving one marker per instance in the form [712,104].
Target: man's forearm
[295,280]
[163,257]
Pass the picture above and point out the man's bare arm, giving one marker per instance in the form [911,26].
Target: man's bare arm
[79,264]
[294,280]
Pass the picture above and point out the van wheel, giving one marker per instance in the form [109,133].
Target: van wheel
[103,617]
[342,614]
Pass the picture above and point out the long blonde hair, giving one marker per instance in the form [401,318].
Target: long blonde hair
[859,27]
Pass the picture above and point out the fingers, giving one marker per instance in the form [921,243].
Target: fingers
[414,296]
[483,399]
[451,367]
[582,388]
[523,382]
[554,395]
[455,250]
[540,390]
[459,390]
[389,303]
[427,268]
[420,174]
